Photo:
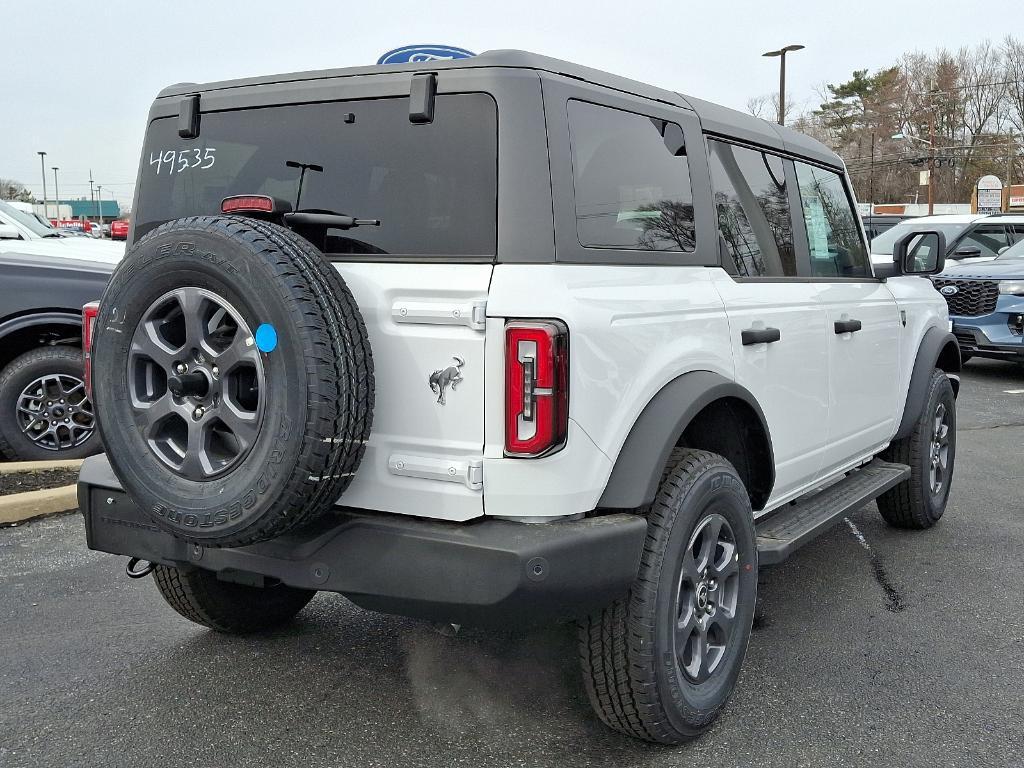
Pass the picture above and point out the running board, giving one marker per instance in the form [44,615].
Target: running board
[783,532]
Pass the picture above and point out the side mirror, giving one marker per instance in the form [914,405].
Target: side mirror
[920,253]
[968,252]
[9,232]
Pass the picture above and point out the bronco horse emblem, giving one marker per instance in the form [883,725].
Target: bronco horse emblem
[451,376]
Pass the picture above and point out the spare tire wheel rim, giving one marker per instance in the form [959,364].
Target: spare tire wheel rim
[196,383]
[54,412]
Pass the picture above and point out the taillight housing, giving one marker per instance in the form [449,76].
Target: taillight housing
[536,387]
[248,204]
[89,313]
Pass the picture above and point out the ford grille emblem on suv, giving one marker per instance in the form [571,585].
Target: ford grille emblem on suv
[949,290]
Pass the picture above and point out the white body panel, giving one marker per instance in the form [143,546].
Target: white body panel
[631,331]
[789,378]
[864,370]
[421,454]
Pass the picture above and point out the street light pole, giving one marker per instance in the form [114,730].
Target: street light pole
[92,192]
[56,191]
[42,165]
[99,203]
[781,53]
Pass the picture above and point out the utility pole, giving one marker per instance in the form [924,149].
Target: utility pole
[1009,168]
[99,204]
[871,176]
[931,161]
[781,53]
[42,165]
[92,194]
[56,191]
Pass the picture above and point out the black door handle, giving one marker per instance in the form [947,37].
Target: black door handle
[760,336]
[847,326]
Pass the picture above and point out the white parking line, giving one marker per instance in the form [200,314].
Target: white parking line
[1014,391]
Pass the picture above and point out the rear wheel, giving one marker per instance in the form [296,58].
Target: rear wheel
[201,597]
[930,452]
[660,664]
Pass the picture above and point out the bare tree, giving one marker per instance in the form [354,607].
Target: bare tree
[15,190]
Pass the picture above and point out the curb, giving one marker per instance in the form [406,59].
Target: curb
[11,467]
[19,507]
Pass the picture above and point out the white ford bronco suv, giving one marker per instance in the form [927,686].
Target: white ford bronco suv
[505,339]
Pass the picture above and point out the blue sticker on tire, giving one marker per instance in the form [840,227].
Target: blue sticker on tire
[266,338]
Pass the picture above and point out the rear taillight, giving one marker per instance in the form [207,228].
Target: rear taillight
[89,313]
[536,387]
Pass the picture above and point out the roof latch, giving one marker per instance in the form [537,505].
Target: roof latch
[421,97]
[188,117]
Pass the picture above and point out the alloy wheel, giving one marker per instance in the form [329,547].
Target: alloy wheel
[707,599]
[54,412]
[196,382]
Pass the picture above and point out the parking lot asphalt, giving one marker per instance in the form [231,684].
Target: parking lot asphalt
[883,648]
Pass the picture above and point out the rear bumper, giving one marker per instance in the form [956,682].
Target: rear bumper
[489,572]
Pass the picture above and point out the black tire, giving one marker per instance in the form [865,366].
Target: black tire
[914,503]
[72,431]
[234,609]
[315,388]
[634,677]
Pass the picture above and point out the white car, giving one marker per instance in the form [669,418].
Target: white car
[969,237]
[539,342]
[23,233]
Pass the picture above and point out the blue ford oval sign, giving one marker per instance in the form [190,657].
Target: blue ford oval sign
[415,54]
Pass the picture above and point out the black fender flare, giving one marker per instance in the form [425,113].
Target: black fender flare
[638,468]
[935,344]
[54,317]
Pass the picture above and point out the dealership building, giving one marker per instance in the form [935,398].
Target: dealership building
[83,208]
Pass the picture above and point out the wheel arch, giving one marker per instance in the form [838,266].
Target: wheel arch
[938,349]
[21,333]
[701,410]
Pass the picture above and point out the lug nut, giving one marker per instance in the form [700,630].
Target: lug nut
[215,371]
[198,413]
[180,368]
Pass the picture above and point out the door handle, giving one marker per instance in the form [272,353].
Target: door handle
[760,336]
[847,326]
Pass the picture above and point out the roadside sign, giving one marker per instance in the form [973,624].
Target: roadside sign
[990,194]
[415,54]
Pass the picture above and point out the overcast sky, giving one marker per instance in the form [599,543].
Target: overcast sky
[80,88]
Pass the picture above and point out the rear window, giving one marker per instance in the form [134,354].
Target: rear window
[433,187]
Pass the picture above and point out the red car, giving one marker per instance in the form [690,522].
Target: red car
[119,230]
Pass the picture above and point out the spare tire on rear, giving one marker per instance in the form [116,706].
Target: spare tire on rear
[232,379]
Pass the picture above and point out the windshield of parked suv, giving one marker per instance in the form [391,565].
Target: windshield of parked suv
[28,221]
[432,186]
[882,245]
[1013,252]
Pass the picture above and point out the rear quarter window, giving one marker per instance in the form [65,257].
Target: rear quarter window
[432,186]
[632,180]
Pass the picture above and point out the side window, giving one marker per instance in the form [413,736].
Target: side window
[986,239]
[833,234]
[632,180]
[754,218]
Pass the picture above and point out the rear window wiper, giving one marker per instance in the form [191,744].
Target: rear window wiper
[327,219]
